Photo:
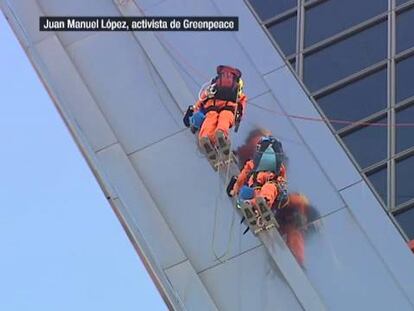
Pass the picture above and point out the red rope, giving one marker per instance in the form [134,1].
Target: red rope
[180,56]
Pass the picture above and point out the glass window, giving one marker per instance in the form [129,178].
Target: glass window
[284,33]
[293,63]
[346,57]
[368,144]
[357,100]
[405,26]
[330,17]
[406,221]
[401,1]
[404,186]
[404,79]
[269,8]
[379,181]
[405,133]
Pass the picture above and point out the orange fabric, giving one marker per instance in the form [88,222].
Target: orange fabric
[244,173]
[295,242]
[269,192]
[215,121]
[225,121]
[203,103]
[262,177]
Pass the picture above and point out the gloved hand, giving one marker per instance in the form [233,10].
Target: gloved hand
[230,187]
[187,115]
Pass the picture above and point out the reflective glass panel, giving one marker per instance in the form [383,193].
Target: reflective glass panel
[357,100]
[269,8]
[293,63]
[368,144]
[284,33]
[398,2]
[404,78]
[346,57]
[330,17]
[406,221]
[379,181]
[405,27]
[404,172]
[405,130]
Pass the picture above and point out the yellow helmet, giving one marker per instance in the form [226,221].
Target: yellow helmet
[241,86]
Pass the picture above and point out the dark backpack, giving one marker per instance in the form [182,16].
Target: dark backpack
[226,83]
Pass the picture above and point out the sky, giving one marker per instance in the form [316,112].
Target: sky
[62,247]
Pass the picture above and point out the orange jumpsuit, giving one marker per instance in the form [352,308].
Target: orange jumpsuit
[266,183]
[216,117]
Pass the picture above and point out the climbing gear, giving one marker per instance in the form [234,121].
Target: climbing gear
[241,87]
[238,116]
[210,152]
[223,144]
[224,162]
[230,186]
[225,85]
[258,216]
[282,199]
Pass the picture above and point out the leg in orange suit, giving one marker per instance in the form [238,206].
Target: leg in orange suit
[225,122]
[208,129]
[269,192]
[215,121]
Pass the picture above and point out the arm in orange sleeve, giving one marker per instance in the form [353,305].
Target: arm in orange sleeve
[200,102]
[242,178]
[197,105]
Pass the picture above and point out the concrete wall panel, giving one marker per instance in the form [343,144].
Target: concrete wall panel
[345,268]
[77,8]
[250,282]
[71,89]
[125,89]
[140,206]
[192,199]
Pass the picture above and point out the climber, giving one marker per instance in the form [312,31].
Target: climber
[293,219]
[263,179]
[220,107]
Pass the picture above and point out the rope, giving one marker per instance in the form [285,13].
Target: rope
[230,239]
[196,71]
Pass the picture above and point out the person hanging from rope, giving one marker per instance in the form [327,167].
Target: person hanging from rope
[220,107]
[262,182]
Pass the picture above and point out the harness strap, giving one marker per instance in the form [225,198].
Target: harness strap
[219,109]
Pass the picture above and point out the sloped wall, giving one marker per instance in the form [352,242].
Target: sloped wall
[122,96]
